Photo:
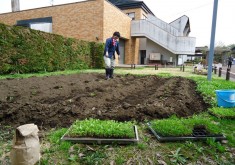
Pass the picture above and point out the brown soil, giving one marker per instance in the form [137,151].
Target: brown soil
[57,101]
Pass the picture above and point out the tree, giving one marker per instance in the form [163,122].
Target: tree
[231,46]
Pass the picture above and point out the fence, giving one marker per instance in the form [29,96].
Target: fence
[228,74]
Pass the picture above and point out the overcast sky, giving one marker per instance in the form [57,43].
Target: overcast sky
[198,11]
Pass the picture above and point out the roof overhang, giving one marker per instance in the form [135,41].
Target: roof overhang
[123,5]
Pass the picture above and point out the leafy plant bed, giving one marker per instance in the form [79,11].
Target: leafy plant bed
[102,132]
[224,113]
[175,129]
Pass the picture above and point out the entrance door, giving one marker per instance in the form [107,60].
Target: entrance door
[122,51]
[142,57]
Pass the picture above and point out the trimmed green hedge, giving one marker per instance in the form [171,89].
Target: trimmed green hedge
[23,50]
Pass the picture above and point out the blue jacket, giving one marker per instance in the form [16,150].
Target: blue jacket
[111,48]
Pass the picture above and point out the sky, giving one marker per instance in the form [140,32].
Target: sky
[199,12]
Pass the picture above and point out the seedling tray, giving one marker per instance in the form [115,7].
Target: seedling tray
[88,140]
[198,134]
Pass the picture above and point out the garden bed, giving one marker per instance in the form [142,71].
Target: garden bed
[223,113]
[174,129]
[48,101]
[102,132]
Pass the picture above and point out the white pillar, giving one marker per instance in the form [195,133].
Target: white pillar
[15,5]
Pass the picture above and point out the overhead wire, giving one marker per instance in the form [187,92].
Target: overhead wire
[198,7]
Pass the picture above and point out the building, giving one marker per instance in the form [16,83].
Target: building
[145,39]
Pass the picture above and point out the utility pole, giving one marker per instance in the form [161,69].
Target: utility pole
[212,44]
[15,5]
[51,1]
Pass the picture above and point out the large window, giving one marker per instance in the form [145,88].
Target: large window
[132,15]
[45,27]
[42,24]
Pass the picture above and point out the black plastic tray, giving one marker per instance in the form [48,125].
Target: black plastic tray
[102,140]
[198,134]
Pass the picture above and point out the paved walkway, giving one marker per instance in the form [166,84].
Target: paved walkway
[224,70]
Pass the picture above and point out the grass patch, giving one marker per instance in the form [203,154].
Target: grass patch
[207,88]
[182,127]
[227,128]
[223,112]
[101,128]
[164,74]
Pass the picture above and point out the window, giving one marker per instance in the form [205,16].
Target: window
[45,27]
[132,15]
[42,24]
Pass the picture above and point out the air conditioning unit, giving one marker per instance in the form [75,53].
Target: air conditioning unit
[155,56]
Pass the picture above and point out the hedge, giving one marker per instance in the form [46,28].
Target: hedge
[23,50]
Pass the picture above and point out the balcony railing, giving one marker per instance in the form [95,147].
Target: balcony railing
[175,44]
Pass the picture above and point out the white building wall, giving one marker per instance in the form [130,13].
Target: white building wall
[175,44]
[182,59]
[152,47]
[180,24]
[143,42]
[165,26]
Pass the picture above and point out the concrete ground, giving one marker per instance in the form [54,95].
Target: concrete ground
[224,69]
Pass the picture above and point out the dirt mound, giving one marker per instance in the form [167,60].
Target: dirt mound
[57,101]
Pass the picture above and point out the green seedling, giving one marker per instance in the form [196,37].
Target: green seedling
[177,157]
[142,146]
[171,127]
[91,157]
[44,161]
[34,92]
[119,160]
[146,139]
[92,94]
[183,127]
[101,128]
[73,158]
[223,112]
[215,145]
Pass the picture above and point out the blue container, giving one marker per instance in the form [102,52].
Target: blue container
[225,98]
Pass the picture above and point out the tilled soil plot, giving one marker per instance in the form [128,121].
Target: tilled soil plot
[57,101]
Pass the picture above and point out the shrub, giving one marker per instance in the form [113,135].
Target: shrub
[25,50]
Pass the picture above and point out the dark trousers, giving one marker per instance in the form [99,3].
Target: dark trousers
[229,64]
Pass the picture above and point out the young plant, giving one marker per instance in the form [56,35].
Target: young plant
[92,94]
[223,112]
[177,157]
[92,157]
[216,145]
[183,127]
[101,128]
[171,127]
[202,121]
